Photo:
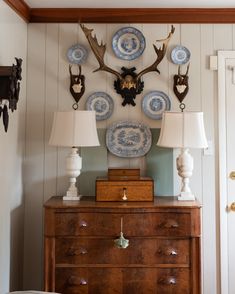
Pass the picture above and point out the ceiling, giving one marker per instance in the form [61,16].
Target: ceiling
[130,3]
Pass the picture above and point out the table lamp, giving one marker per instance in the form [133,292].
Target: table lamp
[183,130]
[74,129]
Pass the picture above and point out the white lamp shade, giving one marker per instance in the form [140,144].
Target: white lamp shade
[74,129]
[182,130]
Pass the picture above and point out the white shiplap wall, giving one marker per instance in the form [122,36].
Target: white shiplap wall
[48,90]
[13,36]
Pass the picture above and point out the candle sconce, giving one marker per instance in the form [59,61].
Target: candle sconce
[9,89]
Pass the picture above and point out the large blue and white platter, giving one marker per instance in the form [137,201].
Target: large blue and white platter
[128,43]
[128,139]
[101,103]
[155,103]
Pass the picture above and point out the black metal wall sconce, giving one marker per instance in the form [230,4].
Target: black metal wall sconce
[9,89]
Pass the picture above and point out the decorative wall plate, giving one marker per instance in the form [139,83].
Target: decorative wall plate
[155,103]
[77,54]
[180,55]
[102,103]
[128,139]
[128,43]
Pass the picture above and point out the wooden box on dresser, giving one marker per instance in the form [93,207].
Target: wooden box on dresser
[163,255]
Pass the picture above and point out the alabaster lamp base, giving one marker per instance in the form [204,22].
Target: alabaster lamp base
[73,170]
[185,170]
[185,196]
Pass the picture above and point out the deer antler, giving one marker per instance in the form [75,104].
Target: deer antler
[99,51]
[160,55]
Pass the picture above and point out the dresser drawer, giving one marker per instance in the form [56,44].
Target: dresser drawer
[136,224]
[140,251]
[122,281]
[173,281]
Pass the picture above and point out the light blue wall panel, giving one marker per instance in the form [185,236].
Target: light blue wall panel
[159,166]
[94,163]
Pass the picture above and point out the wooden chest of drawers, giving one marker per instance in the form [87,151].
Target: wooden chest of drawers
[163,256]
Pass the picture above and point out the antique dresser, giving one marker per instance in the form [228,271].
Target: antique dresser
[163,256]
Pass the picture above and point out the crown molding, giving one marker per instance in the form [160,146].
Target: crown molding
[20,7]
[133,15]
[122,15]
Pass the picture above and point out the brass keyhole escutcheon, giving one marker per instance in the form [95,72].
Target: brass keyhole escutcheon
[232,175]
[124,197]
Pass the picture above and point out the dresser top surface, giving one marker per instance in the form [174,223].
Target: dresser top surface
[89,201]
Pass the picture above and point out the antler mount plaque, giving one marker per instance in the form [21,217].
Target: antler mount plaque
[128,83]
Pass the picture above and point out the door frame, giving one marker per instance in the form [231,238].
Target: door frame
[222,165]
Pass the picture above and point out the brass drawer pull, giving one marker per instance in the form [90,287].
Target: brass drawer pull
[82,224]
[173,252]
[82,251]
[168,252]
[74,251]
[169,224]
[76,281]
[167,281]
[83,282]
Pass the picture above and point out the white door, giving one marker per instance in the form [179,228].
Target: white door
[226,124]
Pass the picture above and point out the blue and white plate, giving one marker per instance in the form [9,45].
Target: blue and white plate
[128,139]
[180,55]
[77,54]
[128,43]
[155,103]
[101,103]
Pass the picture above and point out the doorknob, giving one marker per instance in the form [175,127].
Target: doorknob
[231,207]
[232,175]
